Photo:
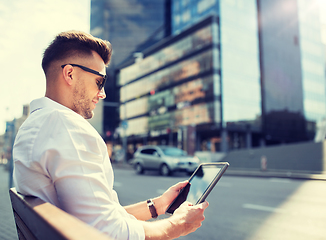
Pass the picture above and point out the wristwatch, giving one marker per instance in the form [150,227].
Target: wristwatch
[152,208]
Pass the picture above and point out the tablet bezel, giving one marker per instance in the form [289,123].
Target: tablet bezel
[223,165]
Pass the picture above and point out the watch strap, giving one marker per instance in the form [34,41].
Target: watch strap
[152,208]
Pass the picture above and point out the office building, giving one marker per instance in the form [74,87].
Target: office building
[175,94]
[126,24]
[251,74]
[292,68]
[291,59]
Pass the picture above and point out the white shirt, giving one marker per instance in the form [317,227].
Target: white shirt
[60,158]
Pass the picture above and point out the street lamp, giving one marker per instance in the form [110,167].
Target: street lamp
[124,125]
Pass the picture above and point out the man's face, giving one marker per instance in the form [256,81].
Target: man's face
[86,93]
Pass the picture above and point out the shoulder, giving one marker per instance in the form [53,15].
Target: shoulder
[68,133]
[69,122]
[51,122]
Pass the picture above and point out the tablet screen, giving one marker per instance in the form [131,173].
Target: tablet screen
[200,184]
[201,181]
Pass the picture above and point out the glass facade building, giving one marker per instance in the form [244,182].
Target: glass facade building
[240,61]
[186,13]
[239,57]
[129,25]
[292,68]
[178,89]
[159,90]
[126,24]
[312,60]
[233,74]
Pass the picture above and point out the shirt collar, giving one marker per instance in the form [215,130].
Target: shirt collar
[46,102]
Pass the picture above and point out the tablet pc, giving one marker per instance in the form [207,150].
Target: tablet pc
[201,183]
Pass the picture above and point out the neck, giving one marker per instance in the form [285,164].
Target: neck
[59,96]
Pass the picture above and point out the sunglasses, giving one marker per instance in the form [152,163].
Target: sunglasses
[99,85]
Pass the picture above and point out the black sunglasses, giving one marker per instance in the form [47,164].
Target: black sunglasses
[99,85]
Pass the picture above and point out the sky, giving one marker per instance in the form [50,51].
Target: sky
[27,28]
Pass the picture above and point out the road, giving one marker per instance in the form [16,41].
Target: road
[243,208]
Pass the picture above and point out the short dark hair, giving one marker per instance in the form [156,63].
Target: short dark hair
[72,43]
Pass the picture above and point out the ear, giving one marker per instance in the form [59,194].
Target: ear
[67,72]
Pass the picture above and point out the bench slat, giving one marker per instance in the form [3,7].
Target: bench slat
[36,219]
[22,229]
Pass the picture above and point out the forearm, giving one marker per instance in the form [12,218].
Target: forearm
[161,230]
[186,219]
[141,212]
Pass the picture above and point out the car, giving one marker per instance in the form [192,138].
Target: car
[165,159]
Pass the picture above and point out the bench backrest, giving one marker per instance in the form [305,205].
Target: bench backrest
[36,219]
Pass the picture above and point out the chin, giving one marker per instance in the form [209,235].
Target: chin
[88,115]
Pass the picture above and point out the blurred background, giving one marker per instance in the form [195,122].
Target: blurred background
[207,76]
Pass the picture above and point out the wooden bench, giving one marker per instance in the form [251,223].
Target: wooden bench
[36,219]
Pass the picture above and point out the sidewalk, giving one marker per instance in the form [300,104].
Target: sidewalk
[7,222]
[253,173]
[275,174]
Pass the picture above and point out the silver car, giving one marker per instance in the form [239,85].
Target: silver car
[166,159]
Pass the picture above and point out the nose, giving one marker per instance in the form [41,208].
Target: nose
[101,94]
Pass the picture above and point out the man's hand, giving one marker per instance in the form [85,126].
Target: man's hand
[188,218]
[168,196]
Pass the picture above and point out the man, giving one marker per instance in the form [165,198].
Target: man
[60,158]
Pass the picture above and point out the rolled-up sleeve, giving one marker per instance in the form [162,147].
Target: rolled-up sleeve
[76,160]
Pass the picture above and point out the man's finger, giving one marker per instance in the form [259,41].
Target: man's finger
[204,205]
[180,185]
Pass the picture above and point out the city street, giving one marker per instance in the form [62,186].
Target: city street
[241,208]
[244,208]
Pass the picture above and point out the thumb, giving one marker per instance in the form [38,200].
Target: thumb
[204,205]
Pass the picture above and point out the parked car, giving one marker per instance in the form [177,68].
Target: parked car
[165,159]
